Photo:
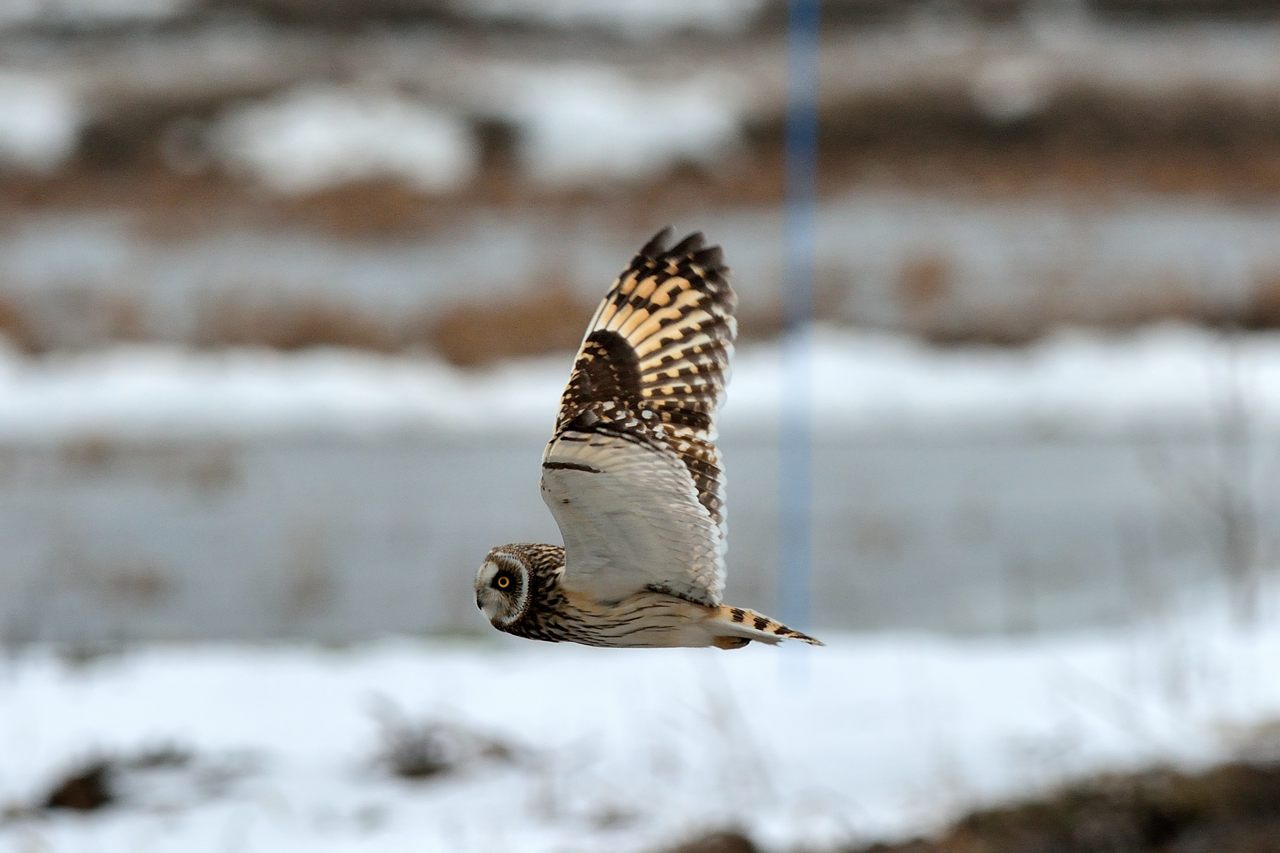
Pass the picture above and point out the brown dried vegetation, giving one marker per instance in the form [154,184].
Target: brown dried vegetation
[545,319]
[419,750]
[292,325]
[1233,809]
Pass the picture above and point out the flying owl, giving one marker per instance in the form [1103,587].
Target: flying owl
[633,477]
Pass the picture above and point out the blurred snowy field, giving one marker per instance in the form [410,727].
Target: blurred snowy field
[576,119]
[949,267]
[1169,380]
[160,493]
[1059,558]
[872,737]
[632,18]
[417,91]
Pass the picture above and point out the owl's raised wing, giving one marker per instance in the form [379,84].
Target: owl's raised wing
[632,474]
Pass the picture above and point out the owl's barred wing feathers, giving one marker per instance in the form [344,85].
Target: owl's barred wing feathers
[661,338]
[632,474]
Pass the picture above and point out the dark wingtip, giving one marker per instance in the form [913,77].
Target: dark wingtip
[688,245]
[711,257]
[657,244]
[694,247]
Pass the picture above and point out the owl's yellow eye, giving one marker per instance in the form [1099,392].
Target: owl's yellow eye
[504,582]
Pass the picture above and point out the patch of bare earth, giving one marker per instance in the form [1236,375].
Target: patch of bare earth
[1231,809]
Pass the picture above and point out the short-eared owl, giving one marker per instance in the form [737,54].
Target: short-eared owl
[633,477]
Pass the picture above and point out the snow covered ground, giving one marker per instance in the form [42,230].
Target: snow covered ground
[637,19]
[88,13]
[40,123]
[576,126]
[315,137]
[157,493]
[997,266]
[1163,379]
[871,737]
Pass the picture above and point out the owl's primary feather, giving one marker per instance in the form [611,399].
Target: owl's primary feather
[632,474]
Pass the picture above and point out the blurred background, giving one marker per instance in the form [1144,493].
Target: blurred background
[289,290]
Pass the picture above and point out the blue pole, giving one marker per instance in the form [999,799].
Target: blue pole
[795,470]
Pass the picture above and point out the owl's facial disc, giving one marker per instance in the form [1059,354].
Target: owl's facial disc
[501,590]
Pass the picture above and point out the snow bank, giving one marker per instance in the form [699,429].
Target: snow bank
[582,123]
[867,738]
[319,136]
[39,122]
[1162,380]
[80,13]
[637,19]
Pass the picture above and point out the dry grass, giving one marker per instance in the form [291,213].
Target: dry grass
[292,324]
[1082,140]
[544,319]
[84,789]
[547,317]
[1233,809]
[419,749]
[729,841]
[92,784]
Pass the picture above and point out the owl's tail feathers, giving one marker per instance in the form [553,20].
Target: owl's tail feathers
[734,627]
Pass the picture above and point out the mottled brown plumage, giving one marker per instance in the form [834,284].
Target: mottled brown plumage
[632,474]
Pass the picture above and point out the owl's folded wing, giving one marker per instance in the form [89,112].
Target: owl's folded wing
[632,474]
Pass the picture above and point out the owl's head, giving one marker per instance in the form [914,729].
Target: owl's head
[502,586]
